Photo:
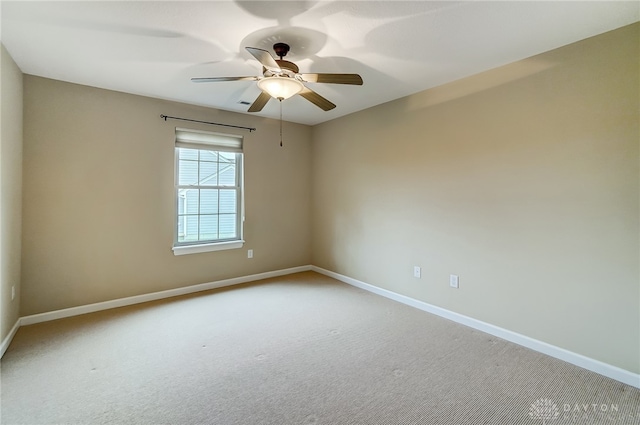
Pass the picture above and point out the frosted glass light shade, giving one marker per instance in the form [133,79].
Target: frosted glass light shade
[280,87]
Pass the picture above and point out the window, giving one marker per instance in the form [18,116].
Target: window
[208,188]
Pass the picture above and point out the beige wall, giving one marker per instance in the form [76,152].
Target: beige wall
[10,189]
[99,198]
[523,180]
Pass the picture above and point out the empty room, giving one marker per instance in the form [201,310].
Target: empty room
[320,212]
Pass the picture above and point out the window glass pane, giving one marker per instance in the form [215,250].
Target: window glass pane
[227,174]
[180,228]
[227,157]
[208,227]
[208,174]
[187,172]
[190,228]
[191,201]
[227,201]
[210,156]
[209,201]
[227,226]
[185,153]
[181,202]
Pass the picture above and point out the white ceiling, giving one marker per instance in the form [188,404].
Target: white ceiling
[153,48]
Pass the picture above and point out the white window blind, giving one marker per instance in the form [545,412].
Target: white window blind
[200,139]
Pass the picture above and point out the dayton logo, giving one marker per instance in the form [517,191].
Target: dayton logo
[545,410]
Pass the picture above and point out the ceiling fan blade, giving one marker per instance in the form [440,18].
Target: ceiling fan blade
[316,99]
[259,103]
[215,79]
[354,79]
[264,58]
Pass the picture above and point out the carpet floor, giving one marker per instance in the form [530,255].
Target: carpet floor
[299,349]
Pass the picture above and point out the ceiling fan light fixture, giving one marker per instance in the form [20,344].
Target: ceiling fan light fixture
[280,87]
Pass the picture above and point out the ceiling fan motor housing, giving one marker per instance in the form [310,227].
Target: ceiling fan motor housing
[281,50]
[288,66]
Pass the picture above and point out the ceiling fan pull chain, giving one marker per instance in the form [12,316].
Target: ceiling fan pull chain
[280,122]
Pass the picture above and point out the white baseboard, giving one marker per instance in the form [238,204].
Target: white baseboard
[137,299]
[593,365]
[7,340]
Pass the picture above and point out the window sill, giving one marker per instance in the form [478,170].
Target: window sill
[196,249]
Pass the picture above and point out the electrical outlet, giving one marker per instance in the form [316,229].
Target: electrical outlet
[250,253]
[416,272]
[453,281]
[13,292]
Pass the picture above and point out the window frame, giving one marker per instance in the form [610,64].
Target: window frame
[193,247]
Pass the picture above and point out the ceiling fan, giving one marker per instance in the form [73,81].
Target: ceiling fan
[281,79]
